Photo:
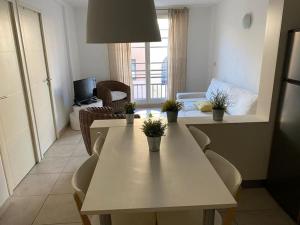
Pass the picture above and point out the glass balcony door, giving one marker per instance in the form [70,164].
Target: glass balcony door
[150,68]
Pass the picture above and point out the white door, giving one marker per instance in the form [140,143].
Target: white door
[15,135]
[38,76]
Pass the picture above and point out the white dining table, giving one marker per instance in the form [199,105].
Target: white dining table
[130,179]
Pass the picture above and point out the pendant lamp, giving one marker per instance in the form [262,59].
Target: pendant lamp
[122,21]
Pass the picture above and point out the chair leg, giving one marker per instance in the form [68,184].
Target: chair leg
[209,217]
[84,218]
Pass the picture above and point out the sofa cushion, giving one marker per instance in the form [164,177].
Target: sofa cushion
[204,106]
[118,95]
[242,102]
[217,85]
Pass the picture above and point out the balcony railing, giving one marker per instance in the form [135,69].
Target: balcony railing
[158,91]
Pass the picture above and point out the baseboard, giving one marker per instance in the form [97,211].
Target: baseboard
[59,133]
[253,183]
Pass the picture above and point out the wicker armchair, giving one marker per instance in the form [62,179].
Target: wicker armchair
[104,89]
[87,117]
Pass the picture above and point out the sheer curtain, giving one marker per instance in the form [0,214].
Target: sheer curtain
[119,56]
[178,31]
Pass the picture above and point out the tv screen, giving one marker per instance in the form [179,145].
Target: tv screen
[83,89]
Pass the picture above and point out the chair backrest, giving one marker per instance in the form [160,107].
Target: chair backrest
[231,178]
[98,144]
[201,138]
[80,183]
[83,175]
[228,173]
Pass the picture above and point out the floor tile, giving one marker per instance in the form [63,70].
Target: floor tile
[58,209]
[58,150]
[51,165]
[263,217]
[70,138]
[36,184]
[63,184]
[74,163]
[22,210]
[80,150]
[256,199]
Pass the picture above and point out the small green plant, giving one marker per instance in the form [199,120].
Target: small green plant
[172,106]
[220,100]
[129,108]
[154,128]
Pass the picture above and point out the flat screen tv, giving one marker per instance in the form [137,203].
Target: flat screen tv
[83,89]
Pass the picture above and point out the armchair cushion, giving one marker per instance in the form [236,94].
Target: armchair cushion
[118,95]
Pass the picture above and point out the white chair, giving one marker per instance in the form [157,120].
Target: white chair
[80,182]
[231,178]
[98,144]
[201,138]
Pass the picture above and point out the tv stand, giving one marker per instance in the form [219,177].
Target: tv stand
[74,116]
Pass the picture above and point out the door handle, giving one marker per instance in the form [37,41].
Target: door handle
[3,97]
[47,80]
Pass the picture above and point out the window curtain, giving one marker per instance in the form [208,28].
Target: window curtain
[119,56]
[177,62]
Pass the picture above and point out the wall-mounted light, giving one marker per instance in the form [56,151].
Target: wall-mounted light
[247,21]
[122,21]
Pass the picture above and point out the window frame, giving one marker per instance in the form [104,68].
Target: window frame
[161,14]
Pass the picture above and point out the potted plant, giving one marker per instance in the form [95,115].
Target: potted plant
[154,130]
[129,111]
[220,102]
[172,108]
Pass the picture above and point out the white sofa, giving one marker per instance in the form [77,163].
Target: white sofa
[243,102]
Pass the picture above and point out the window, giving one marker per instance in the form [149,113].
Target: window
[150,68]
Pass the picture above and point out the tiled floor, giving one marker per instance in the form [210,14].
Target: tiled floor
[45,195]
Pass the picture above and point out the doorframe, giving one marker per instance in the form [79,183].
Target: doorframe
[24,64]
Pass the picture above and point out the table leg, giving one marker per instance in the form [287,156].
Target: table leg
[209,217]
[105,219]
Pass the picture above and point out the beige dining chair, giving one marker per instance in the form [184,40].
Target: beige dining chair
[80,183]
[201,138]
[98,143]
[231,178]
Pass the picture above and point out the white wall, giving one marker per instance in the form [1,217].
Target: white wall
[71,40]
[93,57]
[58,59]
[237,54]
[199,43]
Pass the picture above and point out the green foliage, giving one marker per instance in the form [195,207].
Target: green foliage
[129,107]
[154,128]
[219,100]
[172,106]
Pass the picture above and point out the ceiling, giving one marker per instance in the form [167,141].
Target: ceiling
[159,3]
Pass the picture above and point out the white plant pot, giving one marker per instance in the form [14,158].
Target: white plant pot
[154,143]
[129,118]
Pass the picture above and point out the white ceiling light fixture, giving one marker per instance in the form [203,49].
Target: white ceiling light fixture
[122,21]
